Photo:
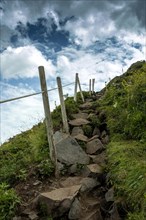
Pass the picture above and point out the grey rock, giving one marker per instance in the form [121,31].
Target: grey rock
[95,168]
[99,159]
[37,182]
[71,181]
[75,210]
[69,152]
[114,213]
[58,201]
[81,137]
[109,196]
[92,138]
[76,131]
[105,140]
[90,207]
[87,183]
[85,172]
[60,166]
[59,136]
[73,169]
[17,218]
[79,122]
[80,115]
[93,215]
[96,131]
[86,105]
[93,146]
[103,134]
[33,216]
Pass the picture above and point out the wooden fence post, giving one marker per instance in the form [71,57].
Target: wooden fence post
[48,119]
[89,86]
[75,92]
[80,88]
[93,82]
[77,82]
[63,109]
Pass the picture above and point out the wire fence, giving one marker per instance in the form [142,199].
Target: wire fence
[46,103]
[33,94]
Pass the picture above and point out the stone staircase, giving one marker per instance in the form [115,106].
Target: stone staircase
[83,194]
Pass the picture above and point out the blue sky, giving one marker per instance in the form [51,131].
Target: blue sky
[65,36]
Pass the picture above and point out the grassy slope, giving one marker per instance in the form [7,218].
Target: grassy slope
[125,106]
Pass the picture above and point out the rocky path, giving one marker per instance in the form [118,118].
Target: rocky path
[82,193]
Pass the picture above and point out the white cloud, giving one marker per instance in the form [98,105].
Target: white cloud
[19,115]
[86,30]
[23,11]
[23,62]
[22,114]
[92,19]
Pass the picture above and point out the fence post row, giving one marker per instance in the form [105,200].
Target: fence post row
[77,82]
[48,119]
[63,110]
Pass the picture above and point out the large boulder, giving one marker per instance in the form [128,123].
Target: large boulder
[69,152]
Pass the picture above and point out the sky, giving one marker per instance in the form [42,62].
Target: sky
[96,38]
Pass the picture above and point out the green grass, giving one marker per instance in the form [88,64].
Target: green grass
[127,165]
[124,104]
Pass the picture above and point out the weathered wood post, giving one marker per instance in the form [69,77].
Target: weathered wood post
[80,88]
[63,109]
[48,119]
[75,92]
[89,86]
[77,83]
[93,82]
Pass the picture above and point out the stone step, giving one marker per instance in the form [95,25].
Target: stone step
[79,122]
[80,115]
[58,201]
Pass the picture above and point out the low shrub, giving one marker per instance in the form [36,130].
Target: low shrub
[8,202]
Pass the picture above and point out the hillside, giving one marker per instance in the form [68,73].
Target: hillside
[117,117]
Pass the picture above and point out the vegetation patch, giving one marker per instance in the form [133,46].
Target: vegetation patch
[8,202]
[124,103]
[127,165]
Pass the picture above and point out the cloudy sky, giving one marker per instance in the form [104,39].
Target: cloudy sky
[96,38]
